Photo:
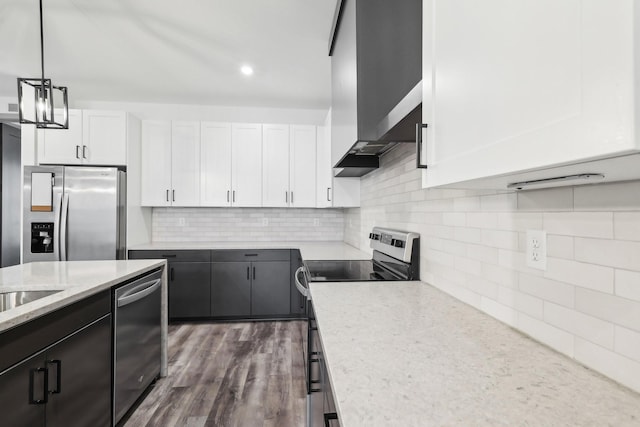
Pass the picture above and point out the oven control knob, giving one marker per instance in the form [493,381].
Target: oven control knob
[373,236]
[397,243]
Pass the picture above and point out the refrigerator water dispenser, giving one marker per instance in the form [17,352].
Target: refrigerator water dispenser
[41,237]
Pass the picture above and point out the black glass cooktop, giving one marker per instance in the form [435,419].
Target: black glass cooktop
[347,271]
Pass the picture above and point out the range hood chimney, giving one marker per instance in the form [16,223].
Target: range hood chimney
[376,72]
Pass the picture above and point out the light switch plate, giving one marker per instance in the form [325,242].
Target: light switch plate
[537,249]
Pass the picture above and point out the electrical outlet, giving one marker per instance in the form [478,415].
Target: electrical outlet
[316,222]
[182,222]
[265,221]
[537,249]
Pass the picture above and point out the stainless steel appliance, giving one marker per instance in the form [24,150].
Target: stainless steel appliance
[136,340]
[396,257]
[10,187]
[74,213]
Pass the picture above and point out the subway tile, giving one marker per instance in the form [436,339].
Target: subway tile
[618,367]
[588,327]
[626,225]
[522,302]
[519,221]
[555,338]
[483,287]
[481,220]
[551,199]
[627,343]
[580,274]
[457,219]
[482,253]
[466,204]
[500,239]
[500,275]
[467,265]
[611,308]
[469,235]
[499,202]
[546,289]
[501,312]
[582,224]
[559,246]
[613,253]
[608,197]
[627,284]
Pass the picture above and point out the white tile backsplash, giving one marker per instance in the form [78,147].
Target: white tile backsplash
[246,224]
[585,305]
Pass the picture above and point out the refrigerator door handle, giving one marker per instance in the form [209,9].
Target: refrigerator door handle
[64,213]
[56,224]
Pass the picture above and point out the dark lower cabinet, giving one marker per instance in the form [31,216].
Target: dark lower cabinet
[271,288]
[189,289]
[65,385]
[231,289]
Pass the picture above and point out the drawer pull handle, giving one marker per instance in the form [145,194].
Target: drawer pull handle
[250,254]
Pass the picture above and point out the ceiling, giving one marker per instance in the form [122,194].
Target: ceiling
[177,52]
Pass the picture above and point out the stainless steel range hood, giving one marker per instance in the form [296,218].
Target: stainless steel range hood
[376,70]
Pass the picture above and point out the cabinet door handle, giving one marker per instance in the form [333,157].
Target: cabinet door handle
[286,197]
[328,191]
[233,198]
[167,195]
[58,364]
[292,197]
[171,274]
[254,273]
[328,417]
[77,152]
[227,196]
[168,255]
[84,151]
[248,273]
[45,388]
[173,195]
[419,163]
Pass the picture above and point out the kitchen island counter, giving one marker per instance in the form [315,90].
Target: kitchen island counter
[310,250]
[405,353]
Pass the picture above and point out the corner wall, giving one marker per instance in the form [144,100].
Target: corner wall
[585,305]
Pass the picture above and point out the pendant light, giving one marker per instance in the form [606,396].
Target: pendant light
[40,102]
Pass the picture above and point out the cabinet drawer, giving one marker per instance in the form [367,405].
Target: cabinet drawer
[22,341]
[251,255]
[173,255]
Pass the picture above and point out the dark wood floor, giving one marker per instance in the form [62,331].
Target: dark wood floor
[230,374]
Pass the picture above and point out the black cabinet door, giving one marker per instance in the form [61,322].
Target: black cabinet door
[189,289]
[15,393]
[271,288]
[79,369]
[231,289]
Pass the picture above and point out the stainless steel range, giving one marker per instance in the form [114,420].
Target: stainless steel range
[396,256]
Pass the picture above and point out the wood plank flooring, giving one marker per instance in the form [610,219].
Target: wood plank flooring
[230,374]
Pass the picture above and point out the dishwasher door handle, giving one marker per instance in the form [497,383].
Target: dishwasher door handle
[138,293]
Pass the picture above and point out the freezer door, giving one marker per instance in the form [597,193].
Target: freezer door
[91,214]
[41,226]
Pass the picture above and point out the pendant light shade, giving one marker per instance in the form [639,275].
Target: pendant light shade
[40,102]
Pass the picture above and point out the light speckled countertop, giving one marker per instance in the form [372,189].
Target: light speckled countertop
[310,250]
[76,279]
[406,354]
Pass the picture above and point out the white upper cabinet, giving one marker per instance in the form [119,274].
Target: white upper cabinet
[275,166]
[185,163]
[215,164]
[105,137]
[512,87]
[62,146]
[246,164]
[93,138]
[156,163]
[302,173]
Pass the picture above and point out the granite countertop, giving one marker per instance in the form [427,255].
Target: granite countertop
[76,279]
[407,354]
[310,250]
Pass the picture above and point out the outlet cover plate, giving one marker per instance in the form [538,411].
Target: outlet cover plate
[536,254]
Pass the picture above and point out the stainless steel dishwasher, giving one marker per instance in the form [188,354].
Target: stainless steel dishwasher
[136,340]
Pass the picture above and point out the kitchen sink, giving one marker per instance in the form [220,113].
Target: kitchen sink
[9,300]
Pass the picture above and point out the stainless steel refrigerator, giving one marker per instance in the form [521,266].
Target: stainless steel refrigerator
[74,213]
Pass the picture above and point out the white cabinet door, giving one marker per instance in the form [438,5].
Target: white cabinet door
[62,146]
[275,166]
[246,169]
[156,163]
[525,85]
[104,137]
[185,163]
[324,184]
[215,164]
[303,166]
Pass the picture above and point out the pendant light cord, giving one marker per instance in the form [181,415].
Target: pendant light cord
[44,93]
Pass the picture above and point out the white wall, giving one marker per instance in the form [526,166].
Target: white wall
[246,224]
[585,305]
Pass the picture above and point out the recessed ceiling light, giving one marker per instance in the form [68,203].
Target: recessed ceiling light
[246,70]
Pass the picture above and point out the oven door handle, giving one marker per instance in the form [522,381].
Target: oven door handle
[301,288]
